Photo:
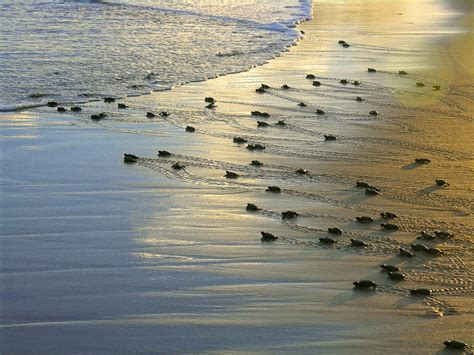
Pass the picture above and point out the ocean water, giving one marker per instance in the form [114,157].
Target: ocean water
[75,51]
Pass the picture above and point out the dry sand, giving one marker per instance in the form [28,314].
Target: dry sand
[101,256]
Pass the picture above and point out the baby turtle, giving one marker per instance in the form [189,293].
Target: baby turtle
[310,76]
[367,284]
[178,166]
[289,215]
[96,117]
[436,87]
[390,226]
[260,90]
[256,163]
[425,236]
[364,219]
[329,137]
[388,215]
[52,104]
[61,109]
[164,114]
[316,83]
[402,72]
[239,140]
[210,106]
[455,344]
[327,240]
[190,129]
[256,113]
[302,171]
[420,84]
[359,99]
[344,81]
[396,275]
[419,247]
[76,109]
[262,124]
[231,175]
[433,251]
[285,87]
[356,83]
[163,153]
[358,243]
[441,182]
[209,100]
[320,112]
[373,113]
[255,147]
[302,104]
[274,189]
[341,41]
[130,158]
[264,86]
[252,207]
[346,45]
[150,115]
[102,115]
[371,70]
[281,123]
[371,192]
[390,268]
[366,185]
[109,100]
[268,237]
[122,106]
[420,292]
[404,252]
[443,234]
[335,230]
[422,161]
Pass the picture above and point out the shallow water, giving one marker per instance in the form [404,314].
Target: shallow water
[71,51]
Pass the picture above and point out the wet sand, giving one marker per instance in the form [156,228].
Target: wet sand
[102,256]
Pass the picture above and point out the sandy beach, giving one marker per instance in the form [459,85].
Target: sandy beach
[101,256]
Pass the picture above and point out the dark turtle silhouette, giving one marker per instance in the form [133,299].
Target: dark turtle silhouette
[274,189]
[420,292]
[96,117]
[390,226]
[302,32]
[262,124]
[61,109]
[264,86]
[320,112]
[358,98]
[402,72]
[455,344]
[419,247]
[341,41]
[164,114]
[52,104]
[231,175]
[210,106]
[358,243]
[285,87]
[404,252]
[443,234]
[366,185]
[388,215]
[425,236]
[364,219]
[433,251]
[109,100]
[371,70]
[256,163]
[190,129]
[130,158]
[239,140]
[255,147]
[164,153]
[437,87]
[122,106]
[76,109]
[281,123]
[346,45]
[178,166]
[302,104]
[260,90]
[327,240]
[329,137]
[310,76]
[422,161]
[344,81]
[356,83]
[373,113]
[396,275]
[302,171]
[316,83]
[390,268]
[367,284]
[260,114]
[268,237]
[441,182]
[371,192]
[150,115]
[209,100]
[289,214]
[420,84]
[335,230]
[252,207]
[102,115]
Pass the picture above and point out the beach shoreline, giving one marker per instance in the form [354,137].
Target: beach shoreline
[102,256]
